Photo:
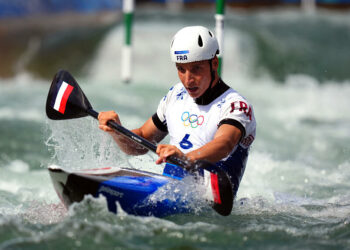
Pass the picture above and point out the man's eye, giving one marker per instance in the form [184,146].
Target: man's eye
[196,68]
[180,69]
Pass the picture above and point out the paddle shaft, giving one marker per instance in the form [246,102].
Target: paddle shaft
[138,139]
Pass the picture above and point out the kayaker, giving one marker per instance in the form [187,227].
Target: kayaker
[205,118]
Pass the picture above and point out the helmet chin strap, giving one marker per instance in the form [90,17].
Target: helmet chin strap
[202,99]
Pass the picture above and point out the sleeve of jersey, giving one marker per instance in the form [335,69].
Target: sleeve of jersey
[159,124]
[238,114]
[159,118]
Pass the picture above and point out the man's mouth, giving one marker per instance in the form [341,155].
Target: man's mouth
[192,89]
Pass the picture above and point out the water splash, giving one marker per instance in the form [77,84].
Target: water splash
[79,144]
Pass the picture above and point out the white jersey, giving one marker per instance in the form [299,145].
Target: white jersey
[191,125]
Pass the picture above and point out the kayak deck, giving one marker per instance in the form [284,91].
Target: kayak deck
[130,188]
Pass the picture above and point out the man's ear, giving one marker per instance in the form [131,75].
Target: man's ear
[215,63]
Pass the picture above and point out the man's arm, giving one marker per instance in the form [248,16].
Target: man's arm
[225,139]
[148,131]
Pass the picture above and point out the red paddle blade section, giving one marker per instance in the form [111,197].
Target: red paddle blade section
[60,101]
[218,190]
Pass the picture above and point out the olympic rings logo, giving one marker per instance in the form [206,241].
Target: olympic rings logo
[192,120]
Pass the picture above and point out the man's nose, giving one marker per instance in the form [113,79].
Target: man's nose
[188,76]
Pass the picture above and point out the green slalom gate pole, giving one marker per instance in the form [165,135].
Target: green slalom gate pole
[128,11]
[219,27]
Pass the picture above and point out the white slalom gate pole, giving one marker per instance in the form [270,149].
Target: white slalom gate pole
[128,10]
[219,27]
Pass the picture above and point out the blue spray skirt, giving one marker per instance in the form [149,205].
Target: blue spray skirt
[130,188]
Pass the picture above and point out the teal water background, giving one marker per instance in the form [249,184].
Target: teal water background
[294,69]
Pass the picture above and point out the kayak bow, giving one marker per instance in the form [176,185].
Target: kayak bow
[130,188]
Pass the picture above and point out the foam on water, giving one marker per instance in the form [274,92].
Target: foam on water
[22,97]
[18,180]
[295,185]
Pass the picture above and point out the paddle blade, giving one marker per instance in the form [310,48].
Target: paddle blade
[66,100]
[219,187]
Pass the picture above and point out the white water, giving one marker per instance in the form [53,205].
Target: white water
[298,167]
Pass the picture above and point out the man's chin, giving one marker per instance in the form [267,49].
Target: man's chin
[194,94]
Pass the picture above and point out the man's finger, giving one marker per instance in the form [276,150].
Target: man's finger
[105,128]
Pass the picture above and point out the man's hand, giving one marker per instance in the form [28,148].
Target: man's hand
[104,117]
[165,150]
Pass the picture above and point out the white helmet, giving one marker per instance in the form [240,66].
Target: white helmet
[192,44]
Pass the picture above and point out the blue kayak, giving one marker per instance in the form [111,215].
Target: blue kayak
[132,189]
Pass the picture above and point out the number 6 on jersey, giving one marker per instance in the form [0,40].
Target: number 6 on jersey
[185,143]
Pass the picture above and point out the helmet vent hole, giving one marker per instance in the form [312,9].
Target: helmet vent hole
[210,34]
[200,41]
[172,42]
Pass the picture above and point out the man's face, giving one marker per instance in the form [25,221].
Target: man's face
[195,76]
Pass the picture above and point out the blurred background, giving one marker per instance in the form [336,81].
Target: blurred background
[40,36]
[289,58]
